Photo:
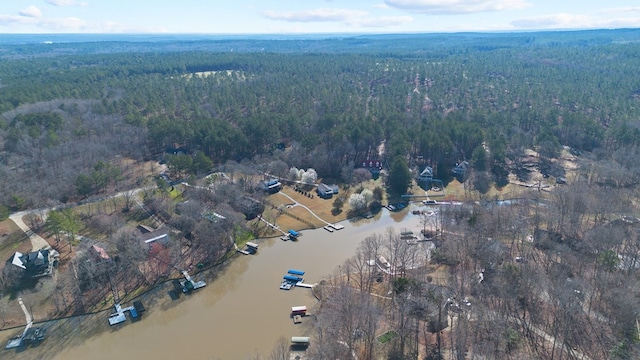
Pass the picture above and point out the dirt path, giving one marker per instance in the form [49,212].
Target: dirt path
[304,207]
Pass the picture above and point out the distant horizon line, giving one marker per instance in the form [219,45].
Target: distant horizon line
[317,33]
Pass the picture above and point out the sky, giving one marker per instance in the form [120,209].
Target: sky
[311,16]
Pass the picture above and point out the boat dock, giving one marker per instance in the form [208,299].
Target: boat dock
[297,313]
[119,316]
[299,310]
[30,335]
[336,226]
[251,248]
[328,228]
[189,285]
[292,278]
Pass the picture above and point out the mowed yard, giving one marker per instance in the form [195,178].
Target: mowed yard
[284,213]
[12,239]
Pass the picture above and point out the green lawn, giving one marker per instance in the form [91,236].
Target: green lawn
[386,337]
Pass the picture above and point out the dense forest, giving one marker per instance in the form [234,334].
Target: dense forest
[72,112]
[438,99]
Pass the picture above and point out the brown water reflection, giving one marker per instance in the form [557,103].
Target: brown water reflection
[241,312]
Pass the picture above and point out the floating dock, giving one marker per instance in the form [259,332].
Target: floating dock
[328,228]
[293,234]
[295,272]
[289,281]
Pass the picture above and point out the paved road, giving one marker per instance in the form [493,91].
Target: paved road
[37,242]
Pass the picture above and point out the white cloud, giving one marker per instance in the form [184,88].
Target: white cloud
[31,11]
[381,6]
[8,20]
[383,21]
[550,21]
[315,15]
[65,2]
[620,10]
[449,7]
[575,21]
[66,24]
[351,18]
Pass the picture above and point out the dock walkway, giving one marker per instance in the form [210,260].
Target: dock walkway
[303,285]
[17,342]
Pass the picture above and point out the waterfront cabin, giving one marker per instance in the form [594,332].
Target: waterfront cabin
[295,272]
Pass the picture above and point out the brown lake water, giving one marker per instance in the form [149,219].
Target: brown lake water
[241,312]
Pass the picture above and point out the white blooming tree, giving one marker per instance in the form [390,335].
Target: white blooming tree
[368,195]
[357,202]
[308,177]
[294,173]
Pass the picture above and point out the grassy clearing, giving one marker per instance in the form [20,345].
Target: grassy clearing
[386,337]
[12,239]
